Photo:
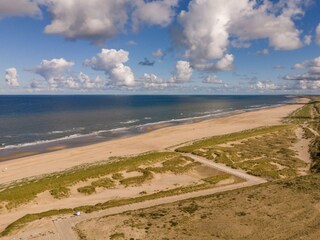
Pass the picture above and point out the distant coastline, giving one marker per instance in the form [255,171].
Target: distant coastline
[79,140]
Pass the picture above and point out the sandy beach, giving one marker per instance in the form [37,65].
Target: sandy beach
[155,140]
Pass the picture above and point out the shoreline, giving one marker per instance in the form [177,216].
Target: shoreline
[156,140]
[12,152]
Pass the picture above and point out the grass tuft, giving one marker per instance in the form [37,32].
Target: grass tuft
[60,192]
[87,190]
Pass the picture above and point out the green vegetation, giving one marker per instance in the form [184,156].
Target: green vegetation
[60,192]
[137,180]
[117,176]
[33,217]
[116,236]
[57,183]
[303,114]
[177,165]
[103,183]
[216,179]
[315,154]
[271,158]
[87,190]
[216,140]
[101,206]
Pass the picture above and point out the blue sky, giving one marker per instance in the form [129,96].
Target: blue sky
[191,47]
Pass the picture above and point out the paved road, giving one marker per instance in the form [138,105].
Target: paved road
[64,226]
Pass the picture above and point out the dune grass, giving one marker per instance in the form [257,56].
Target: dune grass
[57,183]
[272,157]
[315,154]
[117,176]
[60,192]
[33,217]
[216,179]
[137,180]
[177,165]
[221,139]
[103,183]
[87,190]
[303,114]
[21,222]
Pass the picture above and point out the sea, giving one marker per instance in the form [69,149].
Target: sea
[34,123]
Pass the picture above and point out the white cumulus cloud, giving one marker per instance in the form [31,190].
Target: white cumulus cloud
[264,85]
[112,61]
[223,64]
[96,20]
[209,25]
[11,77]
[309,79]
[55,72]
[183,72]
[272,21]
[313,65]
[160,12]
[212,79]
[153,81]
[305,84]
[87,82]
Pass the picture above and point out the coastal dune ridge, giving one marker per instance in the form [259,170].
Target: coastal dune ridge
[156,140]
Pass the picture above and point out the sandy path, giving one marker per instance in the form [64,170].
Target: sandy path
[155,140]
[221,167]
[313,131]
[302,146]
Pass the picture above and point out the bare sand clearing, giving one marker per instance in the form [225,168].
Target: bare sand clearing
[156,140]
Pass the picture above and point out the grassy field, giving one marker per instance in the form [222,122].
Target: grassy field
[272,157]
[59,183]
[286,209]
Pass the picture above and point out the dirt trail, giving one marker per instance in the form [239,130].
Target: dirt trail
[302,146]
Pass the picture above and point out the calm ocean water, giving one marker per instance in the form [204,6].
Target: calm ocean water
[32,120]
